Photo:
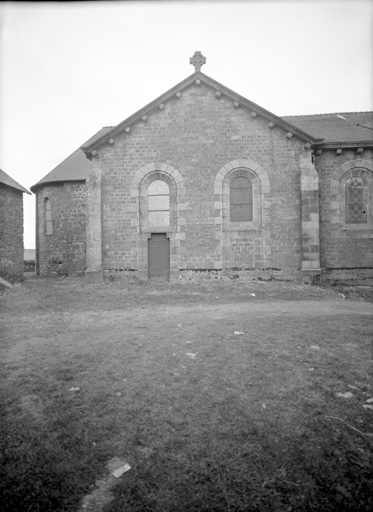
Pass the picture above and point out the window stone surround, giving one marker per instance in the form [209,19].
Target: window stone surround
[175,231]
[225,230]
[354,168]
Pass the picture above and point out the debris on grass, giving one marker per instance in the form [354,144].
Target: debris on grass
[4,283]
[369,401]
[252,294]
[348,394]
[191,355]
[366,406]
[238,333]
[74,389]
[314,347]
[352,387]
[343,490]
[120,471]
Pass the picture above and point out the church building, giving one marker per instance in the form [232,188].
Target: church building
[204,180]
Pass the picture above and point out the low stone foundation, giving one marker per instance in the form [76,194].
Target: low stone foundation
[293,275]
[356,276]
[349,276]
[94,276]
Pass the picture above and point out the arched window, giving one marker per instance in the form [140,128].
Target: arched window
[48,227]
[241,200]
[356,201]
[158,203]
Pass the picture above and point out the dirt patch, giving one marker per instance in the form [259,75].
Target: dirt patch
[102,493]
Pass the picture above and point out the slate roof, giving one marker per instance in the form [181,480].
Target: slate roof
[75,167]
[338,127]
[7,180]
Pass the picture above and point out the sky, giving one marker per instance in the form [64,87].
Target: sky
[68,69]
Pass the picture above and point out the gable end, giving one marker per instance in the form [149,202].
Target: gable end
[198,78]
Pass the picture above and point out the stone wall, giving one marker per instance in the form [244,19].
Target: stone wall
[63,251]
[190,140]
[11,233]
[344,245]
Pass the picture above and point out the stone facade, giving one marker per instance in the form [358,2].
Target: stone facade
[199,143]
[197,139]
[61,249]
[11,233]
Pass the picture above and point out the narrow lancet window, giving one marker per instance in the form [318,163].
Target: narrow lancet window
[48,227]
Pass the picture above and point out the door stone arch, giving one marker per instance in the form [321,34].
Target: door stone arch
[175,231]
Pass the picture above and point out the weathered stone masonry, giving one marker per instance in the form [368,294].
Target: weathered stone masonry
[64,250]
[199,134]
[344,247]
[11,233]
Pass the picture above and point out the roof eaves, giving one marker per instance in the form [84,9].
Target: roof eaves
[41,184]
[345,144]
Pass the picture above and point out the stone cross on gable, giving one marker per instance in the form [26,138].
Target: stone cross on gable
[198,60]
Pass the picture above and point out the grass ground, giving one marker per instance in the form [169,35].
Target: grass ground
[208,419]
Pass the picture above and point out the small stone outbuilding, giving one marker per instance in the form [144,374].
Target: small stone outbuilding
[204,180]
[11,228]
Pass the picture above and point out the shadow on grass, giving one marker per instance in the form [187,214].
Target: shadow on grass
[242,464]
[45,468]
[252,469]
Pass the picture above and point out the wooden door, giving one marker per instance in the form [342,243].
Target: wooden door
[159,257]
